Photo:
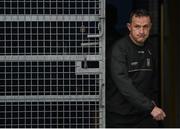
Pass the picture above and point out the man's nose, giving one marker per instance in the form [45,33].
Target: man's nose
[141,30]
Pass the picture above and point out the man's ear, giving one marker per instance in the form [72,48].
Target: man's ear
[150,25]
[128,26]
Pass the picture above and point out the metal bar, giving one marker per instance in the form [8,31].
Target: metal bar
[49,18]
[46,98]
[49,57]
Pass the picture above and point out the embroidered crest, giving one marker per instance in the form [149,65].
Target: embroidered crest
[148,63]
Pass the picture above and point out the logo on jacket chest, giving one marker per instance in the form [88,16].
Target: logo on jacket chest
[140,60]
[134,63]
[148,62]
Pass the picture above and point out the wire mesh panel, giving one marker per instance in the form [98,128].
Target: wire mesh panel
[49,7]
[48,38]
[46,78]
[52,63]
[49,114]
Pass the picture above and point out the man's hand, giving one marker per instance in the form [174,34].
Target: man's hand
[158,113]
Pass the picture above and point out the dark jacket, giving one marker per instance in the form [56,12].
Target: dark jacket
[131,78]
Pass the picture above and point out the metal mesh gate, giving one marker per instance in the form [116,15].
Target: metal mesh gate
[52,63]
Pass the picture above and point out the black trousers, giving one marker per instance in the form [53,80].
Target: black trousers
[114,120]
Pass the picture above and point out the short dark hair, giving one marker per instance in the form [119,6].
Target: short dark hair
[139,13]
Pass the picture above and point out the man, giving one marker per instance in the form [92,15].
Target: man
[132,89]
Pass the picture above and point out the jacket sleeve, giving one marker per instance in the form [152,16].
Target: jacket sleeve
[156,75]
[119,73]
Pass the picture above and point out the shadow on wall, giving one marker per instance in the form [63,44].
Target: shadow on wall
[123,8]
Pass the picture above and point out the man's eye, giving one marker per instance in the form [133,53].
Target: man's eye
[137,27]
[146,27]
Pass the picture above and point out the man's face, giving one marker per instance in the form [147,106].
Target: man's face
[139,29]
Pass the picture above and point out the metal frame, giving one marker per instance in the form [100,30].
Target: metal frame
[52,64]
